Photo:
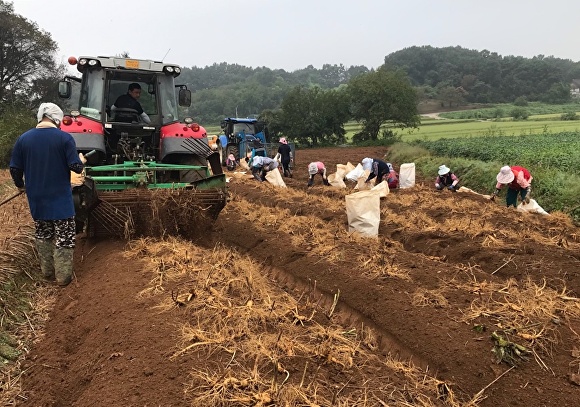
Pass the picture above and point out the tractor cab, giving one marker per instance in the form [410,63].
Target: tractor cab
[127,132]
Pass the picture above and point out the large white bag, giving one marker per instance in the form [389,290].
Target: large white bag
[532,207]
[407,175]
[275,178]
[337,179]
[382,188]
[363,210]
[355,174]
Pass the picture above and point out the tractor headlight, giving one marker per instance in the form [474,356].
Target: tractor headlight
[177,70]
[169,69]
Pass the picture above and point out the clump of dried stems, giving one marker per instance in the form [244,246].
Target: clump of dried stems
[266,347]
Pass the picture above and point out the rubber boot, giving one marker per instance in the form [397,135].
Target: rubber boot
[45,248]
[63,265]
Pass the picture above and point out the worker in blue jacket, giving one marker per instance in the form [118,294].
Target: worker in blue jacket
[41,164]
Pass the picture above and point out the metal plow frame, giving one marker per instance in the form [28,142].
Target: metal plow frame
[131,201]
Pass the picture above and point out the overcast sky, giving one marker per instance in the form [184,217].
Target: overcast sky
[292,34]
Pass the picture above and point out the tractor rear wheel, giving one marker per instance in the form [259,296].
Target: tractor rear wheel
[193,175]
[185,175]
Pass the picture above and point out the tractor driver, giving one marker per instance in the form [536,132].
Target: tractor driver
[129,101]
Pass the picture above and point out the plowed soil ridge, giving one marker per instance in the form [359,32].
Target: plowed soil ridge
[443,264]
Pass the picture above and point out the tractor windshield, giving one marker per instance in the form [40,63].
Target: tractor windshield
[167,98]
[246,128]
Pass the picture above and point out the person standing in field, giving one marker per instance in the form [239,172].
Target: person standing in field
[41,162]
[317,167]
[446,179]
[519,181]
[285,156]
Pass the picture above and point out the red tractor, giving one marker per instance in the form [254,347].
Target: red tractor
[128,152]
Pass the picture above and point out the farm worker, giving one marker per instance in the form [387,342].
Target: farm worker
[446,178]
[285,156]
[261,165]
[314,168]
[378,169]
[129,101]
[392,179]
[45,156]
[231,162]
[519,181]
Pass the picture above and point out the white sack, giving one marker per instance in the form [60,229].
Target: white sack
[532,207]
[336,179]
[464,189]
[275,178]
[382,188]
[244,164]
[349,167]
[363,210]
[407,175]
[355,174]
[361,184]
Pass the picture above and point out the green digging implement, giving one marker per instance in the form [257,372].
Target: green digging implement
[139,198]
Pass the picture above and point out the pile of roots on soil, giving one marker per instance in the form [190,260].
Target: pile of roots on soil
[188,213]
[262,346]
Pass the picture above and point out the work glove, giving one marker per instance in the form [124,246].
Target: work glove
[82,158]
[326,182]
[451,188]
[526,199]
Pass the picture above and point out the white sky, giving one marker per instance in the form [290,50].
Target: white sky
[292,34]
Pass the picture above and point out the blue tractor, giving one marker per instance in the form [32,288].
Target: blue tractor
[241,138]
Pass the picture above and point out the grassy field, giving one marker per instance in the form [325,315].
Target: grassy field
[448,128]
[545,119]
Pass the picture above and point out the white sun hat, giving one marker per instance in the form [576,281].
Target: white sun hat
[50,110]
[312,168]
[367,163]
[443,170]
[505,175]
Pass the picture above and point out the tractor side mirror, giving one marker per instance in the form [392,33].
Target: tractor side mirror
[64,89]
[151,89]
[184,97]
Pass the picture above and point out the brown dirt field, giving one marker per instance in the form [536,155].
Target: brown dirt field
[244,315]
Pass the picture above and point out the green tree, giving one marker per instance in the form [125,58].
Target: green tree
[312,116]
[382,97]
[27,65]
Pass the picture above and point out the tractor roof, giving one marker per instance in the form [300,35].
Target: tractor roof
[240,120]
[127,63]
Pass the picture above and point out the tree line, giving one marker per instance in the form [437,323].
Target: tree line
[309,105]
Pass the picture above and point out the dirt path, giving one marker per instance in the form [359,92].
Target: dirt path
[443,264]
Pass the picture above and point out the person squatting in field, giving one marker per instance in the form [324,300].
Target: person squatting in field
[317,167]
[285,153]
[41,164]
[519,181]
[261,165]
[382,171]
[446,178]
